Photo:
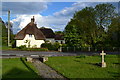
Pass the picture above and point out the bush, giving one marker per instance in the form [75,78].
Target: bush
[37,49]
[50,46]
[47,45]
[22,47]
[56,46]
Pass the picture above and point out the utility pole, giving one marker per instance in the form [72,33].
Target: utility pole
[8,28]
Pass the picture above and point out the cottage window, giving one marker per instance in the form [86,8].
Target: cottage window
[30,35]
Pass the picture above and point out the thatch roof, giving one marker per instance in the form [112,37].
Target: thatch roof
[31,28]
[59,37]
[47,32]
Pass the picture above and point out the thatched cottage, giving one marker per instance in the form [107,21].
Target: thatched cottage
[31,36]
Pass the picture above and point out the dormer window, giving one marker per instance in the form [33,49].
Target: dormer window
[30,35]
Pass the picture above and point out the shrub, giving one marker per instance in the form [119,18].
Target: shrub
[22,47]
[50,46]
[47,45]
[56,46]
[37,49]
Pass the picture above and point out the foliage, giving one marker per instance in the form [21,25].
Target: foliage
[37,49]
[51,46]
[84,66]
[114,32]
[59,32]
[92,27]
[5,34]
[81,30]
[104,14]
[22,47]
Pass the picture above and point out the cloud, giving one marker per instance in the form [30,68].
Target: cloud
[23,7]
[47,21]
[57,21]
[69,11]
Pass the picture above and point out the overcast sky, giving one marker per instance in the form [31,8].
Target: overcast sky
[53,15]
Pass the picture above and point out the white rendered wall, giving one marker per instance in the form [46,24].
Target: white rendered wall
[33,42]
[51,40]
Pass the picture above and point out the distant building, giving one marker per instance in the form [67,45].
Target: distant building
[31,36]
[59,38]
[49,34]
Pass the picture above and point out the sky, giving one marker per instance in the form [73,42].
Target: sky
[53,15]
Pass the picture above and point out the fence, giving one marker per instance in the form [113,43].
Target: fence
[78,49]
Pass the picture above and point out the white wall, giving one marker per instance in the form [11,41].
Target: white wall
[51,40]
[33,42]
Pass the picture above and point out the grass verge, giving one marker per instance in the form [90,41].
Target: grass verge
[18,68]
[86,66]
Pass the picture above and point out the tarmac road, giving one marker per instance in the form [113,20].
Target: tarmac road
[11,53]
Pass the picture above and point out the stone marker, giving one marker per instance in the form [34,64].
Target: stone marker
[43,58]
[29,59]
[60,49]
[103,64]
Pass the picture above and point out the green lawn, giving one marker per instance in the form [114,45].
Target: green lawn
[85,66]
[18,68]
[6,48]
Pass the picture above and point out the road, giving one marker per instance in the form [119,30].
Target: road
[6,53]
[10,53]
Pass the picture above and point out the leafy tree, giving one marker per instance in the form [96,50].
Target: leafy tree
[82,28]
[89,26]
[104,14]
[59,32]
[114,32]
[5,33]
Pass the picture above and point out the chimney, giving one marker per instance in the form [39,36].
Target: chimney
[32,19]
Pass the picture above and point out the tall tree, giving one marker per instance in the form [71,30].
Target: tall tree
[103,18]
[114,32]
[104,14]
[5,33]
[88,27]
[82,27]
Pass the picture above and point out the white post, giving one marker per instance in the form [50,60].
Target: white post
[8,28]
[103,63]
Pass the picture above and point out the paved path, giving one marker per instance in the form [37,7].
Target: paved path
[46,72]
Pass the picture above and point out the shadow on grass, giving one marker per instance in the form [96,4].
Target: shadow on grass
[115,74]
[76,60]
[81,56]
[27,66]
[95,64]
[117,63]
[19,74]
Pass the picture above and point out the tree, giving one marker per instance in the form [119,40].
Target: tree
[89,27]
[114,32]
[71,35]
[59,32]
[104,14]
[5,33]
[82,28]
